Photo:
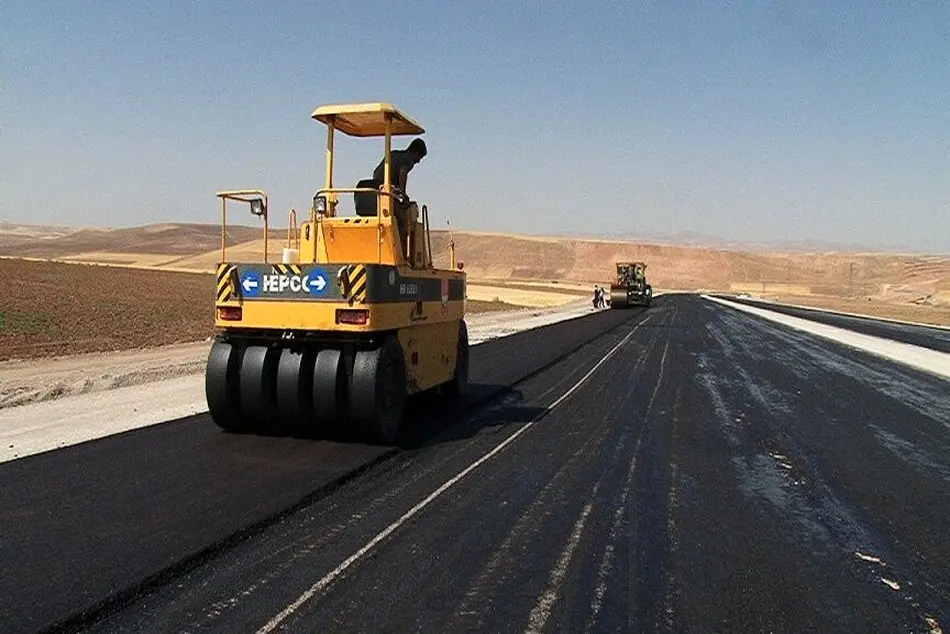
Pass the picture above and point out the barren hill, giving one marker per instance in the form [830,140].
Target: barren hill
[506,258]
[161,239]
[882,276]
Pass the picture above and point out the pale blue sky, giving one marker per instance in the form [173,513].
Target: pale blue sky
[746,120]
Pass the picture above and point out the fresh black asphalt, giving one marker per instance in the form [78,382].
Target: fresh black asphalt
[717,472]
[81,525]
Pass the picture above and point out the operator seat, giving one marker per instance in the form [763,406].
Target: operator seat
[366,202]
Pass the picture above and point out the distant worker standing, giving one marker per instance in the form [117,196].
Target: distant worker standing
[599,297]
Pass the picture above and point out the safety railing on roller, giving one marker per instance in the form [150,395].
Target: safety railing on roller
[325,202]
[257,198]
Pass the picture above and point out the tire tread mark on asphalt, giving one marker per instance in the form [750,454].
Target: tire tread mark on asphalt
[673,620]
[620,509]
[608,557]
[477,589]
[330,577]
[322,539]
[542,611]
[650,548]
[470,599]
[671,504]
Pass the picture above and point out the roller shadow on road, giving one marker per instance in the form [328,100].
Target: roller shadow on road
[432,421]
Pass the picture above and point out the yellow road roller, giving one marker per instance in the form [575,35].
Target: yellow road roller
[630,287]
[353,316]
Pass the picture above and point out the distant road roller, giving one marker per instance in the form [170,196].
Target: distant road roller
[630,288]
[352,319]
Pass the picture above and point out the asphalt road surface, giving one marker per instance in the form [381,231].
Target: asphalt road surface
[692,467]
[918,335]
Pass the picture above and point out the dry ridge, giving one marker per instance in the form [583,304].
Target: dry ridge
[195,247]
[917,286]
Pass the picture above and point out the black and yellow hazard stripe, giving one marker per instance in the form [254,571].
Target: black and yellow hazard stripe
[287,269]
[227,283]
[352,280]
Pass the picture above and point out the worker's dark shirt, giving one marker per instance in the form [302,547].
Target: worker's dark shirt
[400,159]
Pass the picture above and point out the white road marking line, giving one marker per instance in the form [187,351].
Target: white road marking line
[541,612]
[349,561]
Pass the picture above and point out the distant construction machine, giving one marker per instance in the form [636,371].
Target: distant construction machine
[345,327]
[630,288]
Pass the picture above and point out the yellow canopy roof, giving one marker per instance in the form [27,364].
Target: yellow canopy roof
[366,119]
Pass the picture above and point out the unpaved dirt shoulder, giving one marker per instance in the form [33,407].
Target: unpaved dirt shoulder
[33,381]
[38,380]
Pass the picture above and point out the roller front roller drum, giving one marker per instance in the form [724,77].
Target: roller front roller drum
[618,298]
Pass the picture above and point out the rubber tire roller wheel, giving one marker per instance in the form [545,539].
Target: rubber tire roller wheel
[293,387]
[328,389]
[458,386]
[258,381]
[378,392]
[221,386]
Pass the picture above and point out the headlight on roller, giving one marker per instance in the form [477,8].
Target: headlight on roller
[320,204]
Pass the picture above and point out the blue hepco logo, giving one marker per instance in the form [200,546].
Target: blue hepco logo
[313,283]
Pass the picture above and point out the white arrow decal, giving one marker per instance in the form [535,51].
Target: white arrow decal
[249,284]
[317,283]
